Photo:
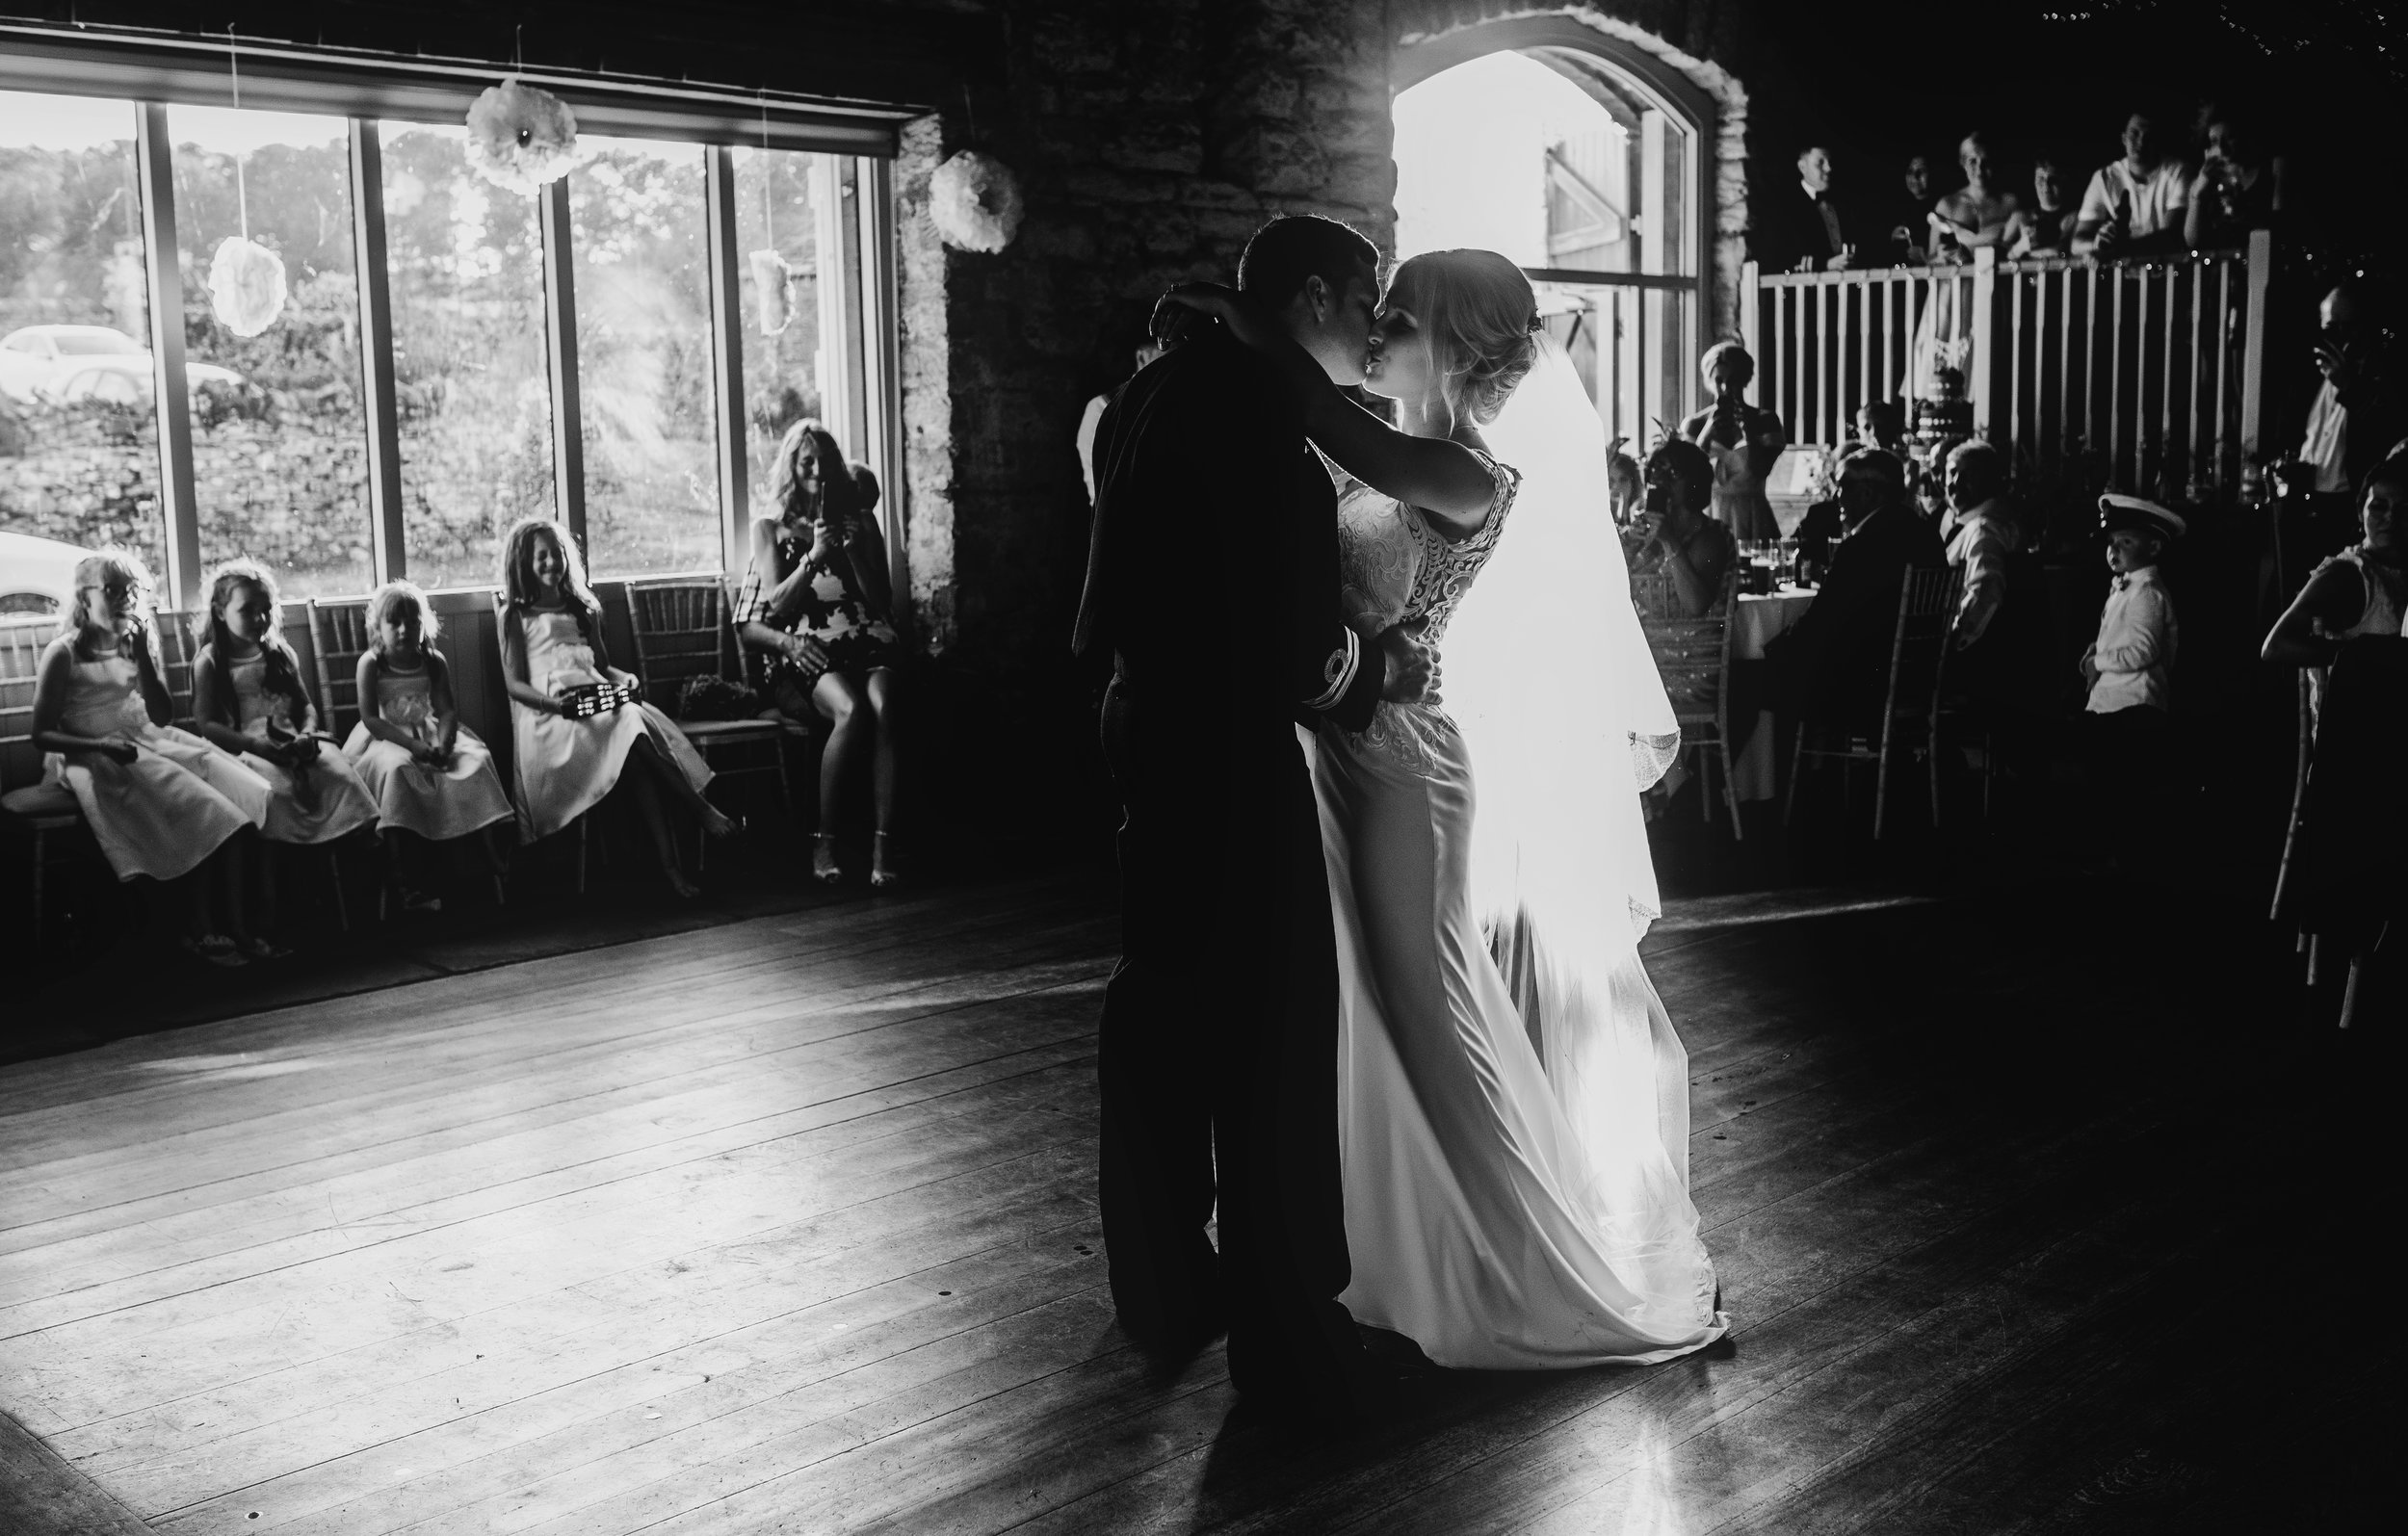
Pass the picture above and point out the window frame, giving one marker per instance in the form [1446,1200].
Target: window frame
[857,142]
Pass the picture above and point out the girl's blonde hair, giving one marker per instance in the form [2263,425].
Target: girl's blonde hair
[518,568]
[1481,319]
[390,599]
[840,493]
[283,673]
[110,562]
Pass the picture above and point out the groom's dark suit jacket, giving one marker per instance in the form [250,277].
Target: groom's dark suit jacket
[1212,563]
[1213,580]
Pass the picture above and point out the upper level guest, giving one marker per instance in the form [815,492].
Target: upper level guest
[1834,664]
[1976,214]
[2239,185]
[1804,227]
[2045,227]
[1740,440]
[1906,227]
[2135,207]
[1675,537]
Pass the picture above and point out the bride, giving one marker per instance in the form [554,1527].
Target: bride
[1513,1101]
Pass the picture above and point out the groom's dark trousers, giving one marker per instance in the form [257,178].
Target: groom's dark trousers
[1213,578]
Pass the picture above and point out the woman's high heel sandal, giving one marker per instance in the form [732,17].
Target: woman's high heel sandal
[823,866]
[884,876]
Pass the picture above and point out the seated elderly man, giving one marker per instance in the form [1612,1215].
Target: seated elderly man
[1834,665]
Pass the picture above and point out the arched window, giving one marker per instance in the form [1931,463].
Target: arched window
[1583,158]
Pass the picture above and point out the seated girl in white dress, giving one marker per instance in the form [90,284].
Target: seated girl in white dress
[551,634]
[248,699]
[160,801]
[433,778]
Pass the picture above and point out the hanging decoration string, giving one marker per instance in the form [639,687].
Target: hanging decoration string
[773,279]
[246,279]
[234,72]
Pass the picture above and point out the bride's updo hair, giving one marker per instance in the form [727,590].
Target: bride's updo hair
[1481,319]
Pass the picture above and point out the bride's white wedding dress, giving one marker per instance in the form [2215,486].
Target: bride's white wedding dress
[1514,1136]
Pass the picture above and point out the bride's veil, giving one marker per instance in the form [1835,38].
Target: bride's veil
[1549,676]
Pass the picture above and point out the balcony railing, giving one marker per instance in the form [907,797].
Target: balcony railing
[2152,369]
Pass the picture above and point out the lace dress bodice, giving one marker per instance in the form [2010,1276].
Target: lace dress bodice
[1393,567]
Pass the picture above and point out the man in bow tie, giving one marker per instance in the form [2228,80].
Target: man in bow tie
[1805,229]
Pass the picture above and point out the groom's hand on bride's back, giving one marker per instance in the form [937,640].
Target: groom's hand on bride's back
[1412,672]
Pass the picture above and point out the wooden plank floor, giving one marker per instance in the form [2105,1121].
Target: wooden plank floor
[788,1226]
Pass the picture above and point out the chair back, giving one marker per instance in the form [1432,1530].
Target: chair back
[1654,596]
[681,630]
[338,636]
[1918,647]
[1692,655]
[178,648]
[22,645]
[751,666]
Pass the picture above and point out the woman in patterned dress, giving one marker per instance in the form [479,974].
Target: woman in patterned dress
[816,599]
[1512,1100]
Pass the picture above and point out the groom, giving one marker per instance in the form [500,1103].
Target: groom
[1213,580]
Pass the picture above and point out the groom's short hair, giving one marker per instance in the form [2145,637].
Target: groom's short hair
[1291,248]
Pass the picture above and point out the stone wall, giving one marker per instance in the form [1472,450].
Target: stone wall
[91,475]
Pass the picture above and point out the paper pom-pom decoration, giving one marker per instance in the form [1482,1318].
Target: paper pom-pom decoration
[521,137]
[975,202]
[774,282]
[245,285]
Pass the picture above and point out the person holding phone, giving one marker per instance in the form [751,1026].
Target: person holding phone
[1742,442]
[1673,537]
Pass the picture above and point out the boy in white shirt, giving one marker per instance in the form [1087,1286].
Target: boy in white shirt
[2129,666]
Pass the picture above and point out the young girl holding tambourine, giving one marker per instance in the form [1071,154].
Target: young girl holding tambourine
[576,721]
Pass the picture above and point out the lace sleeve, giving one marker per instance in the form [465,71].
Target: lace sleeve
[1508,481]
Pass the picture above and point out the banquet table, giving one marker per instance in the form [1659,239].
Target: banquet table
[1759,617]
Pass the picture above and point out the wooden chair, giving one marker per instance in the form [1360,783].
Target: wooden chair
[1919,648]
[682,631]
[1694,658]
[47,814]
[338,636]
[178,647]
[753,672]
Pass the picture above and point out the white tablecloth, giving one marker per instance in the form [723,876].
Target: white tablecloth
[1761,617]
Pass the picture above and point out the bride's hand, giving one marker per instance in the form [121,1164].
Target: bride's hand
[1244,318]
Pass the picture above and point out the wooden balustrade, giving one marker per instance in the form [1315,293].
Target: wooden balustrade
[2152,369]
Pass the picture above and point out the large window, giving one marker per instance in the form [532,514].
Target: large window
[781,304]
[469,381]
[1582,177]
[644,358]
[279,446]
[79,441]
[450,356]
